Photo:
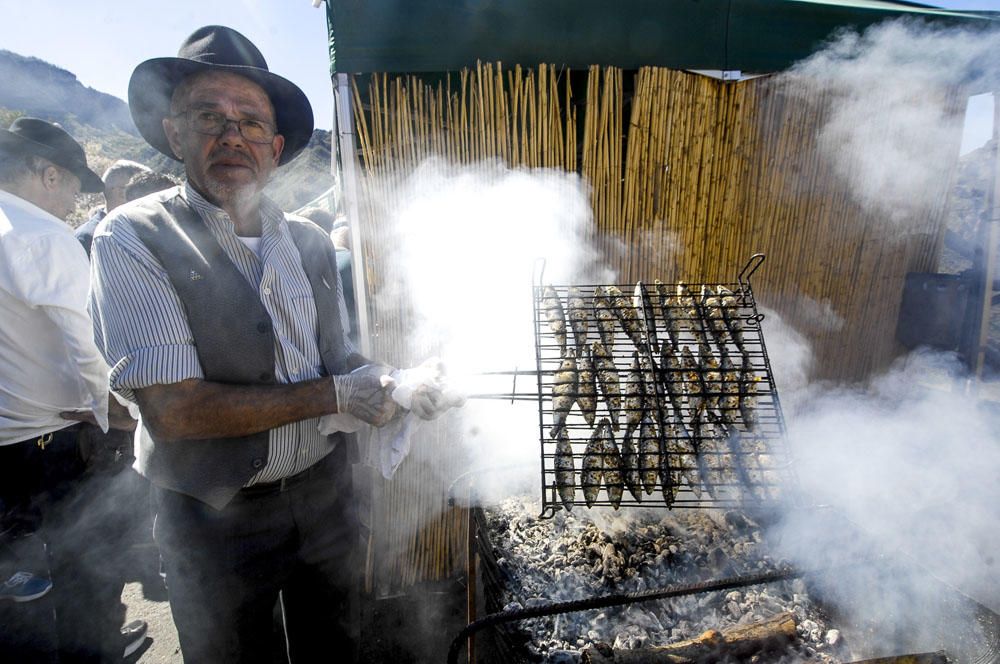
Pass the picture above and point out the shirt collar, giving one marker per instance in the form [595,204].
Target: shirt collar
[272,217]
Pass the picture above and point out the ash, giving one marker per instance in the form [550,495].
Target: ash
[597,552]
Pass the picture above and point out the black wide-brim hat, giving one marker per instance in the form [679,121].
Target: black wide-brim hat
[50,141]
[216,47]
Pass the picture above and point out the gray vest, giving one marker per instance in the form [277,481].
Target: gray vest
[234,338]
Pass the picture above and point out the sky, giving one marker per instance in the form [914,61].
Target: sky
[101,41]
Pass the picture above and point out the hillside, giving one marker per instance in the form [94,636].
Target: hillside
[101,122]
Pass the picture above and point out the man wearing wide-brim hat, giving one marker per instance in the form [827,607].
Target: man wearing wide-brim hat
[223,319]
[51,373]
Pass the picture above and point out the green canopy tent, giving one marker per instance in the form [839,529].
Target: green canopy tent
[756,36]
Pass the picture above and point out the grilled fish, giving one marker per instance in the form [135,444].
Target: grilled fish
[748,395]
[681,461]
[729,401]
[651,401]
[731,314]
[717,461]
[586,397]
[565,473]
[711,378]
[579,319]
[552,308]
[626,316]
[673,377]
[645,312]
[607,379]
[635,397]
[692,382]
[614,479]
[564,390]
[669,314]
[714,319]
[592,473]
[604,316]
[649,455]
[630,467]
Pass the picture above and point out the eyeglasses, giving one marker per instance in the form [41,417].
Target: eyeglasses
[211,123]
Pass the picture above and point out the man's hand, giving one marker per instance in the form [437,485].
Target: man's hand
[118,416]
[361,394]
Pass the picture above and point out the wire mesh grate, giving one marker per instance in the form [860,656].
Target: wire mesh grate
[656,395]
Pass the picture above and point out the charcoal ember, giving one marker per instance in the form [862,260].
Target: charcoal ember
[562,656]
[599,553]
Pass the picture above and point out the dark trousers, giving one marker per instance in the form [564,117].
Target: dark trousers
[226,567]
[49,493]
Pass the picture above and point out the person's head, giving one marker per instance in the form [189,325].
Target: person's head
[42,164]
[115,179]
[218,108]
[144,184]
[222,126]
[318,216]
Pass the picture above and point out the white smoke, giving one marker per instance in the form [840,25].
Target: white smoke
[470,241]
[906,466]
[891,133]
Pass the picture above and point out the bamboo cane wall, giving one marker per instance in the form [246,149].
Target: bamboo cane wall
[694,175]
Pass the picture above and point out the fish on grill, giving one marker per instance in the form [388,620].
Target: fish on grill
[711,378]
[564,391]
[649,455]
[651,400]
[730,312]
[592,471]
[635,397]
[672,377]
[645,312]
[748,395]
[614,478]
[586,397]
[604,316]
[729,402]
[630,466]
[761,471]
[682,451]
[626,316]
[565,472]
[692,382]
[579,319]
[607,380]
[714,318]
[669,314]
[553,310]
[740,456]
[717,462]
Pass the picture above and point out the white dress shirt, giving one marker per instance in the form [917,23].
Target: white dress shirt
[49,362]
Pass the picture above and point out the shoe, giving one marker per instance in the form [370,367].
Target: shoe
[24,587]
[133,636]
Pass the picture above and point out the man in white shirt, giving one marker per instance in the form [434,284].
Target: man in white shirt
[51,377]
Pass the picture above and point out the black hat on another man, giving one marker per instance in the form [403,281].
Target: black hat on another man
[216,47]
[49,141]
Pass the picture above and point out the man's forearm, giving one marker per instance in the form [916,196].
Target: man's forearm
[195,409]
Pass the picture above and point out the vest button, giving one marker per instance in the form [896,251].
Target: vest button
[257,463]
[266,375]
[262,327]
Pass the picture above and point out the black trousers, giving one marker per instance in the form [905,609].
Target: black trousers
[226,567]
[51,496]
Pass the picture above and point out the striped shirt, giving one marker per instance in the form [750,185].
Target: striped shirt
[142,330]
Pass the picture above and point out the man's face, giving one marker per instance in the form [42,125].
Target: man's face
[61,189]
[226,168]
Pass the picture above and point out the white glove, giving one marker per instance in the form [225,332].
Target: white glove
[422,389]
[360,393]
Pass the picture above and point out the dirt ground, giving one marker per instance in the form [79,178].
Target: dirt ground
[161,645]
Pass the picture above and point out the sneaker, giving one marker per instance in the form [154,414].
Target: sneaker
[133,636]
[24,587]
